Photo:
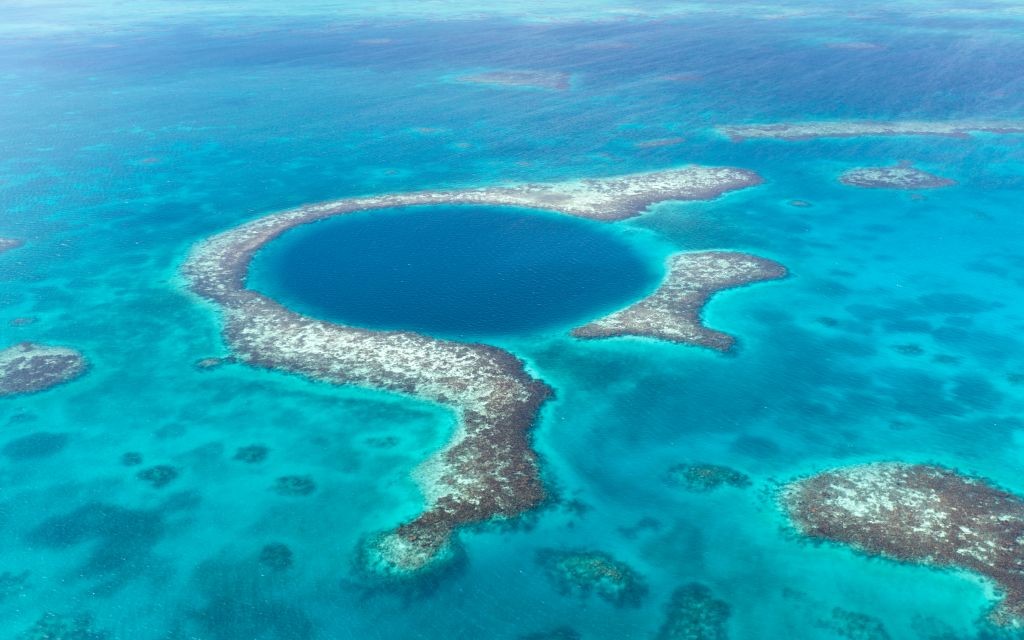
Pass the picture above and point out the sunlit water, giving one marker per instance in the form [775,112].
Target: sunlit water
[896,337]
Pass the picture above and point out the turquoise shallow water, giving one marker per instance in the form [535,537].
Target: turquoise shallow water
[897,335]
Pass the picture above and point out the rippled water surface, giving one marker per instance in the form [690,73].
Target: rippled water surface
[131,132]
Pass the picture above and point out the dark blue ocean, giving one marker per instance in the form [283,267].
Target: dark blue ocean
[128,133]
[456,271]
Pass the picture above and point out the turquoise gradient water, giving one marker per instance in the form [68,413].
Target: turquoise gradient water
[897,336]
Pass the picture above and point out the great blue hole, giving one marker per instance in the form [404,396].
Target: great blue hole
[462,271]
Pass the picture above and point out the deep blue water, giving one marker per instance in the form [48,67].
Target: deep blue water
[454,270]
[130,132]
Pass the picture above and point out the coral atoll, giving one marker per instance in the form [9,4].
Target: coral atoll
[488,469]
[673,311]
[28,367]
[586,572]
[922,514]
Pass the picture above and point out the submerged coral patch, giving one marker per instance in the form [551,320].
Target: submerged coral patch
[559,633]
[258,610]
[252,454]
[36,445]
[694,613]
[584,572]
[204,364]
[6,244]
[673,312]
[901,176]
[121,539]
[131,458]
[28,367]
[159,476]
[294,485]
[854,625]
[922,514]
[54,626]
[277,556]
[13,584]
[551,80]
[701,477]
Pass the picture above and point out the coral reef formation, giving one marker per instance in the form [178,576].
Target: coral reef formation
[901,176]
[13,584]
[559,633]
[701,477]
[28,367]
[6,244]
[35,445]
[854,625]
[252,454]
[859,128]
[673,311]
[586,572]
[159,476]
[295,485]
[551,80]
[922,514]
[488,469]
[694,613]
[53,626]
[277,556]
[131,458]
[240,601]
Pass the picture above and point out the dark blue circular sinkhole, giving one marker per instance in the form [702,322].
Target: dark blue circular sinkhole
[453,270]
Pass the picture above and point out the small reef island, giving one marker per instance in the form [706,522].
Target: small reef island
[28,367]
[859,128]
[921,514]
[901,176]
[488,469]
